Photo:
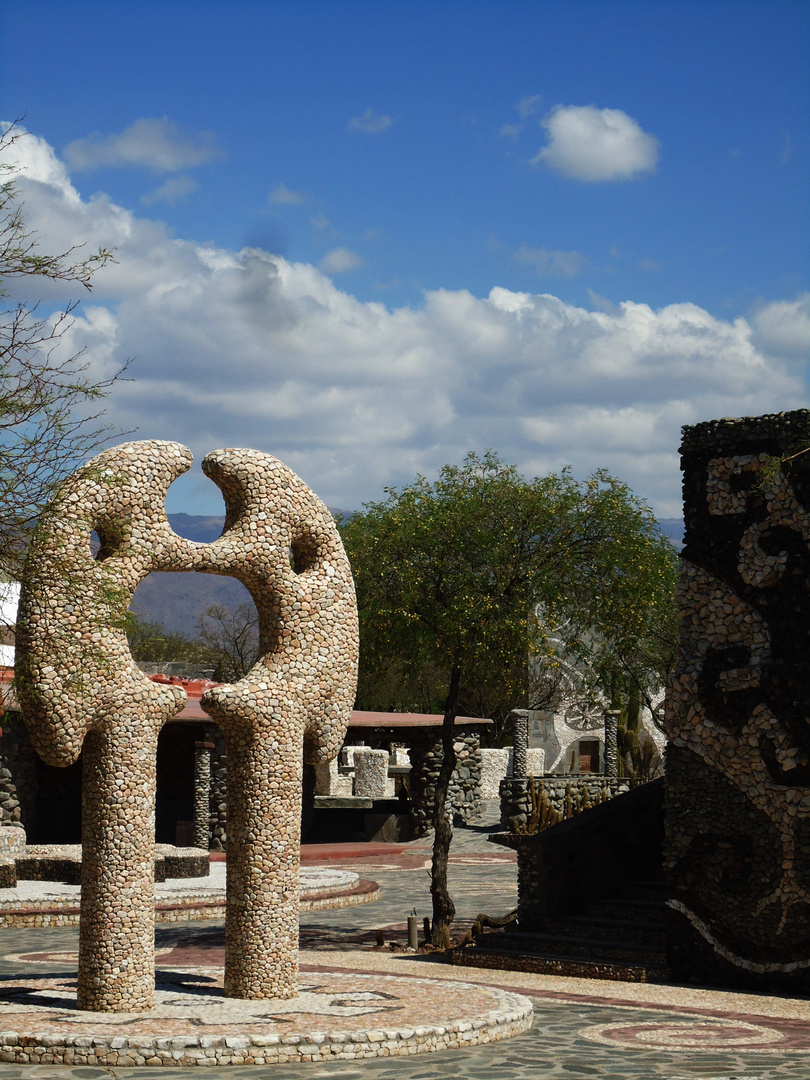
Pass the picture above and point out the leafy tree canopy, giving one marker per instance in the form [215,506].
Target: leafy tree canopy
[468,574]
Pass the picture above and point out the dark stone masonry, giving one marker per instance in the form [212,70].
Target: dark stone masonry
[464,795]
[567,794]
[737,804]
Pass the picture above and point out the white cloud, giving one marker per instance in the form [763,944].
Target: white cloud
[174,190]
[783,328]
[601,303]
[510,131]
[527,106]
[586,143]
[551,263]
[283,196]
[338,260]
[242,348]
[370,123]
[150,143]
[320,221]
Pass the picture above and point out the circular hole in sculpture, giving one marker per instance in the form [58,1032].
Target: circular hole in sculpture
[303,554]
[104,541]
[194,626]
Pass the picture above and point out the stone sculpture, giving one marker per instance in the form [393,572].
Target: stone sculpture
[738,765]
[82,692]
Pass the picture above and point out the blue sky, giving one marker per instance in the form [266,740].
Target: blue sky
[370,237]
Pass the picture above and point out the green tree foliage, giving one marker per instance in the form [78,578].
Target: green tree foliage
[454,574]
[49,417]
[450,577]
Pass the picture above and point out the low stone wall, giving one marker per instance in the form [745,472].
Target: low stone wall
[496,765]
[63,862]
[581,790]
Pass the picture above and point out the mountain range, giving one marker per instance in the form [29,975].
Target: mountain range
[176,601]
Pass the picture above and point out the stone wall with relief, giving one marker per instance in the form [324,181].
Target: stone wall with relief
[737,806]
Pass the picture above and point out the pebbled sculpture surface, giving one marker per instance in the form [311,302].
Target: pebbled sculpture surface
[738,703]
[81,692]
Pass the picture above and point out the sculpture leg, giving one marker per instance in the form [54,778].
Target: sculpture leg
[117,927]
[264,834]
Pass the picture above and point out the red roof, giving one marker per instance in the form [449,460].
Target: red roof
[194,688]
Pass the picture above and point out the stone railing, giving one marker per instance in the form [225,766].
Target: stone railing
[565,794]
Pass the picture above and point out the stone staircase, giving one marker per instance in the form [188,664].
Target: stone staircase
[622,938]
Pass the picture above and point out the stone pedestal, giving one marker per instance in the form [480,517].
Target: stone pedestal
[370,773]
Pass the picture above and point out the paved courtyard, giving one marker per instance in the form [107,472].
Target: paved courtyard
[582,1028]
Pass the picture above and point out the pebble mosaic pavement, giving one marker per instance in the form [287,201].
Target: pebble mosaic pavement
[582,1028]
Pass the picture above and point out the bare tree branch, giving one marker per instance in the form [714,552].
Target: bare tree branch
[49,419]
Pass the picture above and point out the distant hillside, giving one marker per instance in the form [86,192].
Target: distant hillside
[673,529]
[177,601]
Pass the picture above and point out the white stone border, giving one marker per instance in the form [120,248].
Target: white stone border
[727,954]
[512,1015]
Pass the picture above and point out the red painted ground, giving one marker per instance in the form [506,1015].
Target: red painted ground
[311,853]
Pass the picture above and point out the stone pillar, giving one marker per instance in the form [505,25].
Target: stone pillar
[520,742]
[202,793]
[737,805]
[264,838]
[611,718]
[117,927]
[218,802]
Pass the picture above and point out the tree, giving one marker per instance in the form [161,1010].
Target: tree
[231,639]
[149,642]
[49,419]
[450,577]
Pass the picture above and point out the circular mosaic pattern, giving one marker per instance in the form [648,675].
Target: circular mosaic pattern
[692,1035]
[316,880]
[335,1015]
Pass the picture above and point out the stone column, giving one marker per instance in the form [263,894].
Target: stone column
[611,717]
[265,769]
[737,844]
[116,932]
[202,792]
[520,742]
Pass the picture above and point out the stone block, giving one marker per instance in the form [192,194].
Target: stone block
[370,773]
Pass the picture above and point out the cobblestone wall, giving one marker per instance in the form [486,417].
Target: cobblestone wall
[426,761]
[738,767]
[18,774]
[581,791]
